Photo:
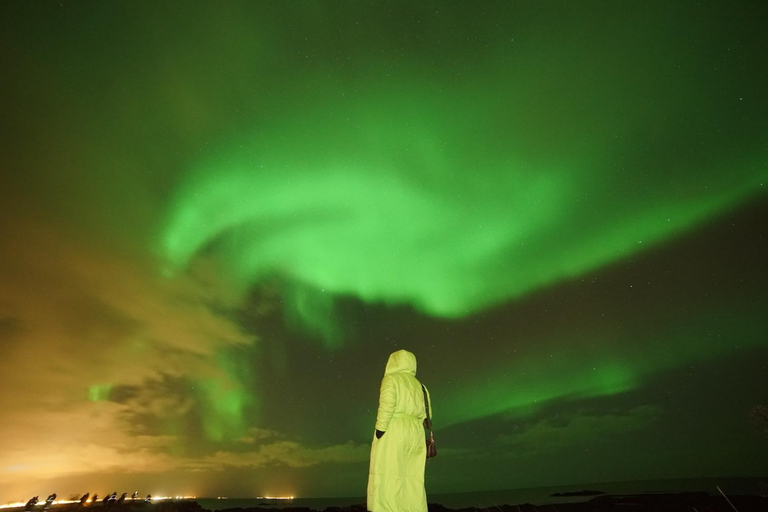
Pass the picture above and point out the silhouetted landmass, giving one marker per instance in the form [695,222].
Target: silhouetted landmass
[662,502]
[576,493]
[666,502]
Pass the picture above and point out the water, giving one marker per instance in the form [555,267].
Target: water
[538,496]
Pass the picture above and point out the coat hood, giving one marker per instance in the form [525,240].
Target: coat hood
[401,361]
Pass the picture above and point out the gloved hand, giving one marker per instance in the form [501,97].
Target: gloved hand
[379,433]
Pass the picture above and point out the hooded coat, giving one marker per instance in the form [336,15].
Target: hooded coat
[396,475]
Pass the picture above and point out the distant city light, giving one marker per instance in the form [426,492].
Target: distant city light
[24,503]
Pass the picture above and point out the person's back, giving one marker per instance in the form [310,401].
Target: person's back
[410,398]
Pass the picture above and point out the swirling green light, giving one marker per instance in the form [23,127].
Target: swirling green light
[444,218]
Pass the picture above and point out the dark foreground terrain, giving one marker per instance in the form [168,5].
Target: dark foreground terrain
[663,502]
[682,502]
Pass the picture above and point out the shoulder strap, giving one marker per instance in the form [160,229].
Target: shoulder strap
[426,401]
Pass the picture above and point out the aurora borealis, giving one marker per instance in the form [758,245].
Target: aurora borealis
[218,221]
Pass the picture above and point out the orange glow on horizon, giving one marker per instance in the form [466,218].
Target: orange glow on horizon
[19,504]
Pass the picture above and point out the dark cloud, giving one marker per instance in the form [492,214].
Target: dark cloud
[567,431]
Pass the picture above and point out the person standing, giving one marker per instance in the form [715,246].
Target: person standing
[398,450]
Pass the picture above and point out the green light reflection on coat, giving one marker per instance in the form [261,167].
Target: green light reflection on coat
[396,475]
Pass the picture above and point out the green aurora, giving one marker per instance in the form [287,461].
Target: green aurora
[402,205]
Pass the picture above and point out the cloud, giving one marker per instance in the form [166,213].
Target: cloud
[79,323]
[558,432]
[257,434]
[81,439]
[288,453]
[99,353]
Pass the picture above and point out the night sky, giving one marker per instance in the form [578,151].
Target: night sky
[218,219]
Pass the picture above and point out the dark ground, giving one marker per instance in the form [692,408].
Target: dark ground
[666,502]
[673,502]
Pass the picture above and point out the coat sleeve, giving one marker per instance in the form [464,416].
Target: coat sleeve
[387,402]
